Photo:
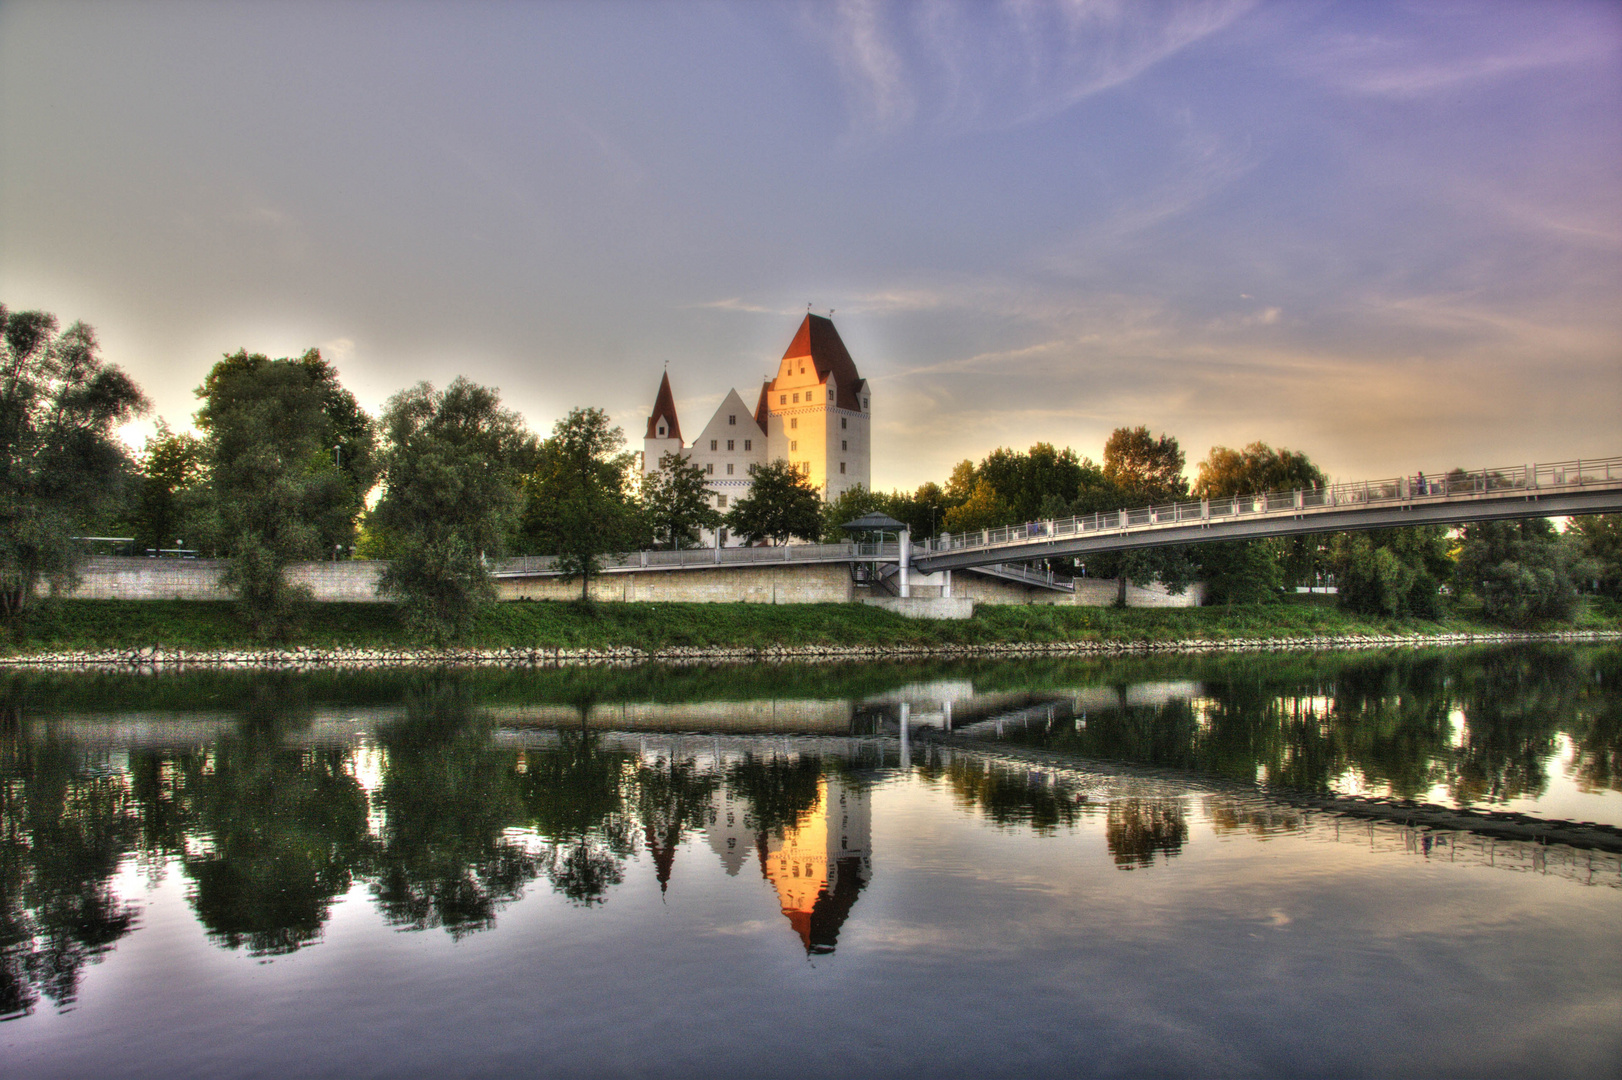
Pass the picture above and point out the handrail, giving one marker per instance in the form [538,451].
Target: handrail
[1417,489]
[1413,489]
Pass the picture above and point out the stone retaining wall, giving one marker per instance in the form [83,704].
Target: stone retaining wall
[113,577]
[816,583]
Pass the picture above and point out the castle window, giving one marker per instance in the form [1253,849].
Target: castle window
[796,399]
[733,420]
[841,466]
[843,423]
[721,500]
[782,399]
[729,444]
[712,444]
[661,431]
[808,394]
[794,422]
[794,445]
[843,445]
[709,467]
[749,444]
[864,404]
[729,469]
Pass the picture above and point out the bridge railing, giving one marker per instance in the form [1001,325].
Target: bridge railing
[526,565]
[1417,488]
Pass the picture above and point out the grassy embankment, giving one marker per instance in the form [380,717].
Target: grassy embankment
[112,624]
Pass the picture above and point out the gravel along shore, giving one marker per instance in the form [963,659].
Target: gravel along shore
[157,658]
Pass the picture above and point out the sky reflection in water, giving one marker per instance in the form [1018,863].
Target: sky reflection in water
[552,873]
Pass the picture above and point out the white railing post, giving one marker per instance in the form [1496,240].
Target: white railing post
[1205,509]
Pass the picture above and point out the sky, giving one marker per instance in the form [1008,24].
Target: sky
[1388,236]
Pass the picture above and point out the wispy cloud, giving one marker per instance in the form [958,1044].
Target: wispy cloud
[973,65]
[1433,60]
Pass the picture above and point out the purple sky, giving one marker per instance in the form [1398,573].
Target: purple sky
[1389,236]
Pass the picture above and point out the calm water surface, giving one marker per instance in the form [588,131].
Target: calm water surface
[849,870]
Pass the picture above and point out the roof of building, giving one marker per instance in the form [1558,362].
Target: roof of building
[763,409]
[664,408]
[818,339]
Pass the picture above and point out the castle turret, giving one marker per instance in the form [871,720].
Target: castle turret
[664,430]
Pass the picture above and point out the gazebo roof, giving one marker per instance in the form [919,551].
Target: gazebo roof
[874,522]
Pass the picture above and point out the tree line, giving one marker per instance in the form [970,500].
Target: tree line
[286,467]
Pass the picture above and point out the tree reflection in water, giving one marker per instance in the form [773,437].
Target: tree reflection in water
[447,799]
[1139,829]
[1481,725]
[270,824]
[66,822]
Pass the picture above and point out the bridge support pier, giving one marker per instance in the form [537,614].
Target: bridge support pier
[906,561]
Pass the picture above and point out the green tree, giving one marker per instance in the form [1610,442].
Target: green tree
[1600,537]
[983,509]
[851,504]
[677,503]
[1391,571]
[580,496]
[173,473]
[290,460]
[1252,571]
[60,467]
[1523,571]
[452,468]
[1253,470]
[781,504]
[1147,469]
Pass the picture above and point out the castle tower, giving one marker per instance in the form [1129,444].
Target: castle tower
[816,412]
[664,430]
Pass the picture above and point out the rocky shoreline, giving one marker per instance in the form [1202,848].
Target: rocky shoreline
[155,658]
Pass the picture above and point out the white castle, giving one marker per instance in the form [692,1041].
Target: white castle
[815,414]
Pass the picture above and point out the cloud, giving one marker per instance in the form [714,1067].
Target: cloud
[339,350]
[1448,54]
[734,303]
[977,65]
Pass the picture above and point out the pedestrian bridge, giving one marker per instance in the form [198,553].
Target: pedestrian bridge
[1522,491]
[1587,486]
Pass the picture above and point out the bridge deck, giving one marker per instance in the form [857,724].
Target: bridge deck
[1588,486]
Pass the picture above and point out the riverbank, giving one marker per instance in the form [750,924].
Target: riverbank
[111,633]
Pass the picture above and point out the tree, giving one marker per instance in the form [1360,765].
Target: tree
[983,509]
[290,458]
[452,467]
[1600,536]
[60,467]
[781,504]
[1252,571]
[677,503]
[1391,572]
[851,504]
[1257,468]
[1523,571]
[581,507]
[1146,468]
[173,472]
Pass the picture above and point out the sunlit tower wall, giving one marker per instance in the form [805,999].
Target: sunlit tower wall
[818,409]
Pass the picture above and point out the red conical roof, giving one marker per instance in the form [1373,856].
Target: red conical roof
[818,339]
[664,408]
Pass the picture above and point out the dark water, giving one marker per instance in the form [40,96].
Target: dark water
[799,872]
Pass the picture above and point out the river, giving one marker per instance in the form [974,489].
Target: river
[1149,866]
